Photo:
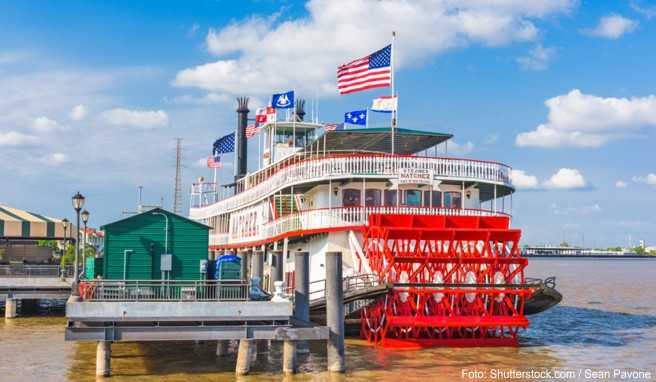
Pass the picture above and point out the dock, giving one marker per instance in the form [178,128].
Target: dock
[33,282]
[109,311]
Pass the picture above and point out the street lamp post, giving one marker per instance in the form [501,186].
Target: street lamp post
[65,225]
[78,203]
[85,219]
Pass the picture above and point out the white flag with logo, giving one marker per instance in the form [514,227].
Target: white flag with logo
[385,104]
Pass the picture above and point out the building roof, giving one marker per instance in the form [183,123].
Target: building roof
[378,139]
[19,224]
[156,209]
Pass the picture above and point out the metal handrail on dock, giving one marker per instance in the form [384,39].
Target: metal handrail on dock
[35,270]
[164,290]
[349,284]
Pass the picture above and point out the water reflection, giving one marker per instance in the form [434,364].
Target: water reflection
[176,361]
[568,325]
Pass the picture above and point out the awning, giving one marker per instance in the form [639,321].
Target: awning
[378,139]
[19,224]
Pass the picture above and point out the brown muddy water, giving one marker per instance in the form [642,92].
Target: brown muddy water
[605,324]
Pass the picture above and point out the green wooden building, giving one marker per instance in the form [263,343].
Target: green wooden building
[137,246]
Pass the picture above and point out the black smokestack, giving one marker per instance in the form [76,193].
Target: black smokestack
[240,138]
[300,110]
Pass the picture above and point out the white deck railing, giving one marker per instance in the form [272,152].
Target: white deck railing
[265,182]
[330,220]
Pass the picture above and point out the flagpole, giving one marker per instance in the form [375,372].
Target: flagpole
[366,116]
[294,122]
[393,122]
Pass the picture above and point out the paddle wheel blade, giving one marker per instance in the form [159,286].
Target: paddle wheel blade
[458,281]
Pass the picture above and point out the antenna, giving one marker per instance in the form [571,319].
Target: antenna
[177,195]
[140,202]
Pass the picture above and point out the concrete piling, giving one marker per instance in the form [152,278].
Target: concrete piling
[289,357]
[335,311]
[302,293]
[11,310]
[244,354]
[103,358]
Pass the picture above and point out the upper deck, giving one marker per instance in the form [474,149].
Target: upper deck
[308,168]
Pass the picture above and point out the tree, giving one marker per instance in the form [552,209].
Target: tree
[69,255]
[89,251]
[639,251]
[46,243]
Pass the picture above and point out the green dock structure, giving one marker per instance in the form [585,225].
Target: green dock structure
[155,245]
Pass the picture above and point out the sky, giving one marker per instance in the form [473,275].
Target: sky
[94,94]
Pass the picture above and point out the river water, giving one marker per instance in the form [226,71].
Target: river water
[606,323]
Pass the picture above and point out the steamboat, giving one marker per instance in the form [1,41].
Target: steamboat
[429,256]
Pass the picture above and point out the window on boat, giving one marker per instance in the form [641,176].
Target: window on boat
[390,198]
[350,197]
[412,198]
[452,199]
[436,196]
[372,197]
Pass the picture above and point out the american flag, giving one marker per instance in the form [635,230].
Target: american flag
[333,126]
[372,71]
[214,162]
[251,130]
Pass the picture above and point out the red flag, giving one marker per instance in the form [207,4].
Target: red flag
[270,114]
[260,115]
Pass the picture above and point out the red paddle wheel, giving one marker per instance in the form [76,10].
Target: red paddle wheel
[458,281]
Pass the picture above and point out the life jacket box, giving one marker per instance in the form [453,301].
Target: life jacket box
[228,267]
[227,270]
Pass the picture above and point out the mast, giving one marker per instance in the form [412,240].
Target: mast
[393,122]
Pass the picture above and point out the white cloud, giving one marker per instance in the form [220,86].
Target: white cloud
[648,179]
[45,124]
[612,26]
[647,11]
[15,138]
[460,149]
[207,99]
[576,210]
[136,118]
[191,32]
[566,178]
[13,57]
[587,121]
[265,53]
[55,159]
[522,180]
[621,184]
[78,113]
[538,58]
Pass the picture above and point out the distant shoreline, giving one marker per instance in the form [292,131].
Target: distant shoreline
[592,256]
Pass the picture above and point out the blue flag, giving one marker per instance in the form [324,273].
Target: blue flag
[357,117]
[224,145]
[283,100]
